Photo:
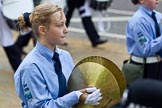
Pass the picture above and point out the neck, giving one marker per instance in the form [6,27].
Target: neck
[51,47]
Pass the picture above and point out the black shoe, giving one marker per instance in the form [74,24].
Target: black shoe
[99,41]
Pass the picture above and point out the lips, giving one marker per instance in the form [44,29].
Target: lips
[63,37]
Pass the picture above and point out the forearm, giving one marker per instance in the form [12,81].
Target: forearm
[66,101]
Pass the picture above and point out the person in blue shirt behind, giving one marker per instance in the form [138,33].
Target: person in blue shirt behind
[37,82]
[144,40]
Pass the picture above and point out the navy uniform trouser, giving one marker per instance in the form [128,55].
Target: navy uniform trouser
[153,71]
[14,56]
[23,40]
[87,20]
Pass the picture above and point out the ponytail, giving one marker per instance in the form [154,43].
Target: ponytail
[135,2]
[24,20]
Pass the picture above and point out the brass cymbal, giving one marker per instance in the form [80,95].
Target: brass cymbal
[99,72]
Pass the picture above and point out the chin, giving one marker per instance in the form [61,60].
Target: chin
[62,42]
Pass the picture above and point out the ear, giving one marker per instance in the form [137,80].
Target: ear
[42,30]
[141,1]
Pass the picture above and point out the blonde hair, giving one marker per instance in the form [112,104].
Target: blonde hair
[40,16]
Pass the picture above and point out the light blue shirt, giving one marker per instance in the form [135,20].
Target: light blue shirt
[141,37]
[37,83]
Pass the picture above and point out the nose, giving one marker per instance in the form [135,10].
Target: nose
[65,29]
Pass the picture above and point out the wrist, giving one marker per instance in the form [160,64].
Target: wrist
[78,93]
[83,97]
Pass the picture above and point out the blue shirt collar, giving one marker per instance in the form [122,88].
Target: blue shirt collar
[45,51]
[145,9]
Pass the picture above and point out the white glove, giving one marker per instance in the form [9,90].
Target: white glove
[93,98]
[90,90]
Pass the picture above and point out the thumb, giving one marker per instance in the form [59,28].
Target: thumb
[91,89]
